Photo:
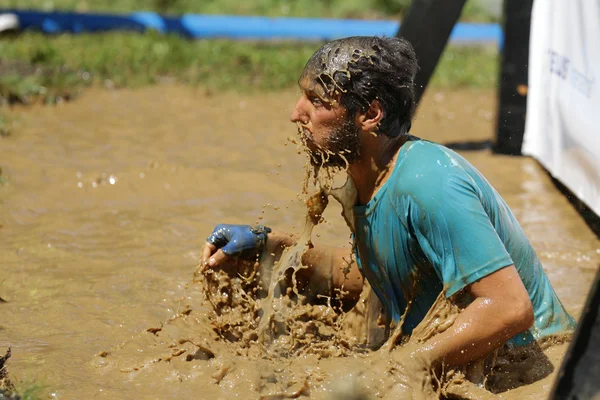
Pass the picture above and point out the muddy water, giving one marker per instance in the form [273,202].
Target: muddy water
[110,198]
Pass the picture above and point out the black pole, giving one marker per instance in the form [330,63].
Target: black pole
[427,26]
[579,375]
[512,96]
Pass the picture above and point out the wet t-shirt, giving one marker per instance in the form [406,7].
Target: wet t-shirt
[437,225]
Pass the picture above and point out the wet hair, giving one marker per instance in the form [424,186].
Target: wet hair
[359,69]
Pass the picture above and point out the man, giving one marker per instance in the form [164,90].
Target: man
[426,221]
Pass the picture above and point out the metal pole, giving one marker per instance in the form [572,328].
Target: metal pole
[512,94]
[427,26]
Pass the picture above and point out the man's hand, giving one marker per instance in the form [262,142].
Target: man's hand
[228,241]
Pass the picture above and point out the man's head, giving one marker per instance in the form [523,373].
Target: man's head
[354,85]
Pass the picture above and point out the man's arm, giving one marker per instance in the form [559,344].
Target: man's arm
[460,240]
[323,263]
[501,310]
[336,264]
[332,264]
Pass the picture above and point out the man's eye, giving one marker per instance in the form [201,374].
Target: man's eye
[316,101]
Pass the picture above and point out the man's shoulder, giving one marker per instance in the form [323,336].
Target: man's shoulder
[426,166]
[431,178]
[423,153]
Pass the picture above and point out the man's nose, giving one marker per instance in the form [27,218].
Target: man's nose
[299,113]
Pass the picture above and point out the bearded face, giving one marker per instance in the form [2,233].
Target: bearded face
[327,129]
[338,148]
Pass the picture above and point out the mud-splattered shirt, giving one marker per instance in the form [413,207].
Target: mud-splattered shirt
[438,219]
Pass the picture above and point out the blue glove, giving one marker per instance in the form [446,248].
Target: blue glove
[239,240]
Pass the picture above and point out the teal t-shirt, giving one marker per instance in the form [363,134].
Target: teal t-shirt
[438,219]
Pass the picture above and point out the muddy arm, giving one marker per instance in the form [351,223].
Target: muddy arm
[328,267]
[501,310]
[338,266]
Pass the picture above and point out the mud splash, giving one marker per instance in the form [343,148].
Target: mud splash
[232,330]
[5,383]
[108,200]
[214,344]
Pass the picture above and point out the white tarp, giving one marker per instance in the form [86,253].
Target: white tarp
[562,128]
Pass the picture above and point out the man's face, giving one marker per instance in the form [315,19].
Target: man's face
[325,127]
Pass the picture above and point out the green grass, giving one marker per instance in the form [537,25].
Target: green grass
[474,10]
[60,66]
[51,68]
[475,67]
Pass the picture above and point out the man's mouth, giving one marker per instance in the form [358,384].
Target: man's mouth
[307,137]
[311,145]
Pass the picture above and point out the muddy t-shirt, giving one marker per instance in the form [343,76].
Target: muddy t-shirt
[437,224]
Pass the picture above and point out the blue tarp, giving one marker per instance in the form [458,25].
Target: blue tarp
[195,26]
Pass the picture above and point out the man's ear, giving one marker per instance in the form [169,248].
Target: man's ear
[369,120]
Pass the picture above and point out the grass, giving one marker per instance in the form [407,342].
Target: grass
[467,67]
[54,68]
[474,10]
[58,67]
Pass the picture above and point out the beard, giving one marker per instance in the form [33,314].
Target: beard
[340,149]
